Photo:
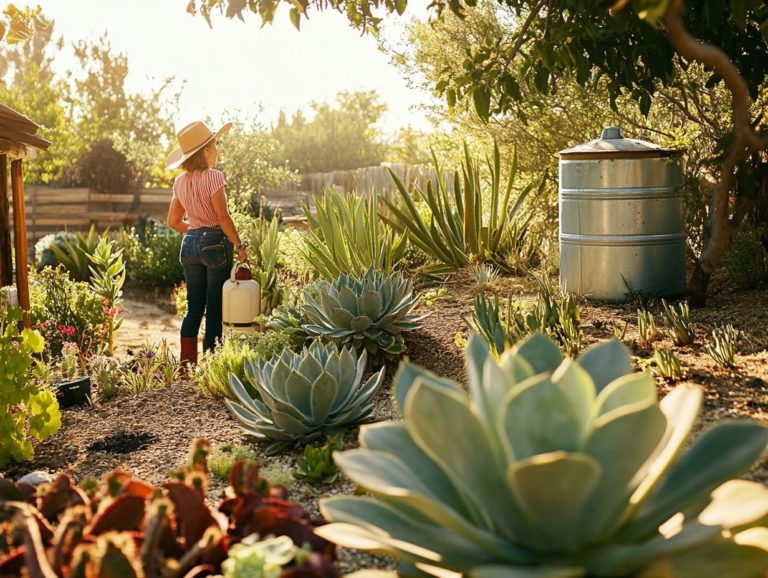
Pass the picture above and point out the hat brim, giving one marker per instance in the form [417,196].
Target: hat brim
[178,156]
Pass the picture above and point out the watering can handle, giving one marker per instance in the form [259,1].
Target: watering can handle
[236,271]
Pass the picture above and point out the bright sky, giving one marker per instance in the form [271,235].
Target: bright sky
[238,65]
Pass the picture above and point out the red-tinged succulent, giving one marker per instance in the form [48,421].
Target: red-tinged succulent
[127,528]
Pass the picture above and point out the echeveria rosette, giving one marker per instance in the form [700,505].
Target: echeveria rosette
[371,312]
[304,396]
[553,468]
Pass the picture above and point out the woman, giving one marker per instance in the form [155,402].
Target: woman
[199,211]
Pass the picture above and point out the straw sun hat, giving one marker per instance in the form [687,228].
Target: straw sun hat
[191,139]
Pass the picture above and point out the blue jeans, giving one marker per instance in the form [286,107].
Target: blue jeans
[206,256]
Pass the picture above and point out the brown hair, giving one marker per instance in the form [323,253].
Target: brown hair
[197,162]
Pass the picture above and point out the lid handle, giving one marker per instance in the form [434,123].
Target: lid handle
[612,133]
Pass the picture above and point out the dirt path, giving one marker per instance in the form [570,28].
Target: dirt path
[145,321]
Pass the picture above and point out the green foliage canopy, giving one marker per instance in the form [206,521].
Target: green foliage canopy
[339,137]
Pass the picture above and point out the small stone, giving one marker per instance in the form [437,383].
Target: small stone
[36,478]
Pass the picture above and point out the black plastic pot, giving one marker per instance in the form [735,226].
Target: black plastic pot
[74,391]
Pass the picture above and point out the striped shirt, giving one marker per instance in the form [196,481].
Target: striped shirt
[194,191]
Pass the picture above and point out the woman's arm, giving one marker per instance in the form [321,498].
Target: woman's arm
[176,216]
[219,201]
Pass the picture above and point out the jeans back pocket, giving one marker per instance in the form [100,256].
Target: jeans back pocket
[214,254]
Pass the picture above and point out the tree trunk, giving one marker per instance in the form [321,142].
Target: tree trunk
[698,286]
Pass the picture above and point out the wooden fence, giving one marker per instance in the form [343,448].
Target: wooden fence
[49,209]
[362,181]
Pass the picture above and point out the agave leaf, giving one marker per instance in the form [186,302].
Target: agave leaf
[291,425]
[327,301]
[360,323]
[540,351]
[370,303]
[297,395]
[526,433]
[400,481]
[736,444]
[432,412]
[341,318]
[348,300]
[736,504]
[517,369]
[393,437]
[681,407]
[633,388]
[720,558]
[309,368]
[552,490]
[245,416]
[622,441]
[575,383]
[498,571]
[348,367]
[406,376]
[241,394]
[606,362]
[322,397]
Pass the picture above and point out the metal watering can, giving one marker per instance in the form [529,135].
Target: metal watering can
[241,299]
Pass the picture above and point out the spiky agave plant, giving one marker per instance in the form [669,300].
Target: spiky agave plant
[304,396]
[553,469]
[372,311]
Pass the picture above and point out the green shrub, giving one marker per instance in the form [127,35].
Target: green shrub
[555,313]
[44,255]
[63,310]
[553,468]
[75,255]
[152,255]
[222,458]
[291,259]
[106,170]
[25,410]
[214,370]
[722,344]
[154,366]
[678,323]
[745,259]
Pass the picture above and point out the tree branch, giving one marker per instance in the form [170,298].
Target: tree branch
[745,139]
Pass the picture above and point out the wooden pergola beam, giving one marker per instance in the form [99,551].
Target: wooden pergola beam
[20,236]
[6,262]
[12,150]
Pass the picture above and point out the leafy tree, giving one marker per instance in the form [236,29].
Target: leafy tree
[685,115]
[139,125]
[339,137]
[19,25]
[30,86]
[250,161]
[631,43]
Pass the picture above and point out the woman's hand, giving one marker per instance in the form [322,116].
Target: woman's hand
[242,256]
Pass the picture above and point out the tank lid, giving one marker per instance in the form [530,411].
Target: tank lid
[612,144]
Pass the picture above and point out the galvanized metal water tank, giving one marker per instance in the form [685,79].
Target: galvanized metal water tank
[621,219]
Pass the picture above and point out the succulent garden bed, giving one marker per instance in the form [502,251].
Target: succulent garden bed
[150,434]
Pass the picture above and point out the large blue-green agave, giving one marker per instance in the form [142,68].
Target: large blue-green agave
[554,468]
